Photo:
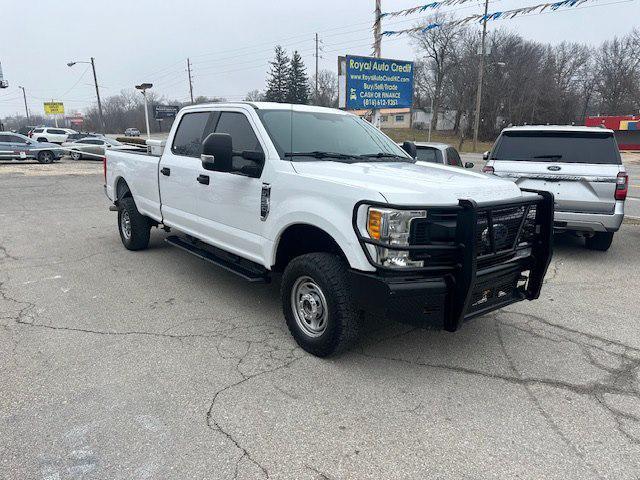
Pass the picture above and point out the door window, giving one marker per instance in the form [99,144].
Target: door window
[244,138]
[453,157]
[193,129]
[55,131]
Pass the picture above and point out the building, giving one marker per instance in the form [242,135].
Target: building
[626,128]
[389,117]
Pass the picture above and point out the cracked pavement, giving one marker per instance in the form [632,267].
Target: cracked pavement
[156,365]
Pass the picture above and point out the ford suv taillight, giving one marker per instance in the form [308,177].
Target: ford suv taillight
[622,186]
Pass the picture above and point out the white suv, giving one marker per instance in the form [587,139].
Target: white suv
[581,166]
[51,134]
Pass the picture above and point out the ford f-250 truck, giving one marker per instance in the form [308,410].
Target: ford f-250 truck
[347,217]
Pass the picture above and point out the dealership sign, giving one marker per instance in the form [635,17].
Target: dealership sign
[374,83]
[54,108]
[165,111]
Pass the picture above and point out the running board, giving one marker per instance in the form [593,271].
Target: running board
[244,268]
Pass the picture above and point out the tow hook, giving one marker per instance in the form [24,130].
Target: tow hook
[113,208]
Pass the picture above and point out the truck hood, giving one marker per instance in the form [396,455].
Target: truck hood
[412,184]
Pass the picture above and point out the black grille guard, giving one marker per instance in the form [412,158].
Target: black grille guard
[461,277]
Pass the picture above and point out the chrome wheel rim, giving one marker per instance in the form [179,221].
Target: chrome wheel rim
[125,225]
[46,157]
[309,307]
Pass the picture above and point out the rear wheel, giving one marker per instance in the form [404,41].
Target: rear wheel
[600,241]
[317,304]
[45,157]
[134,227]
[76,155]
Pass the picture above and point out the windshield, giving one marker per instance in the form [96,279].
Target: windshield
[111,142]
[569,147]
[308,136]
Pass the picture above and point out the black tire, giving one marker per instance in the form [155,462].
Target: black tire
[136,235]
[600,241]
[76,156]
[342,323]
[46,157]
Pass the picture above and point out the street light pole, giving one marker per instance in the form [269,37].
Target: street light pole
[476,123]
[95,81]
[26,109]
[144,87]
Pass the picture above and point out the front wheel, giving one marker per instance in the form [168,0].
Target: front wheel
[600,241]
[317,304]
[45,157]
[135,228]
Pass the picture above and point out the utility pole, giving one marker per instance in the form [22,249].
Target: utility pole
[377,49]
[26,109]
[317,68]
[476,123]
[95,80]
[190,80]
[143,87]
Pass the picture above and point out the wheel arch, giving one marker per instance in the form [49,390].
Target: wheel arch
[301,238]
[122,189]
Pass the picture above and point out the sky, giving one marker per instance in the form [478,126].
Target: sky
[229,42]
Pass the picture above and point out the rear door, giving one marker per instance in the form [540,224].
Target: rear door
[578,167]
[180,167]
[7,146]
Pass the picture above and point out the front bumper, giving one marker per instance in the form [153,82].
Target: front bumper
[590,222]
[477,284]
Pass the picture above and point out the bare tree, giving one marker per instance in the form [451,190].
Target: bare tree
[327,95]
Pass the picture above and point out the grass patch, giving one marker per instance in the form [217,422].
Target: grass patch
[402,134]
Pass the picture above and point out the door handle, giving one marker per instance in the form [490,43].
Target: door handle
[203,179]
[165,171]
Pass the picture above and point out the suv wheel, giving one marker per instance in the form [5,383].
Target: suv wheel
[76,156]
[317,304]
[45,157]
[600,241]
[134,227]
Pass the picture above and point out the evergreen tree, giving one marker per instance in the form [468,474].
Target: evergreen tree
[298,86]
[278,81]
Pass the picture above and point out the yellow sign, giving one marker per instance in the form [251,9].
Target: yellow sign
[54,108]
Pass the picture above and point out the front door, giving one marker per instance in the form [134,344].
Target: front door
[230,205]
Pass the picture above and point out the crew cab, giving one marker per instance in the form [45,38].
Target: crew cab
[581,166]
[346,218]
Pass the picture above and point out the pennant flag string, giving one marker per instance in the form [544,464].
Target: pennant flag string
[506,14]
[422,8]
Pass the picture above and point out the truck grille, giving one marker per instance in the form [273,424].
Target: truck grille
[499,231]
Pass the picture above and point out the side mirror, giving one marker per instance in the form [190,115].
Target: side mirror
[410,148]
[485,156]
[217,152]
[254,168]
[468,165]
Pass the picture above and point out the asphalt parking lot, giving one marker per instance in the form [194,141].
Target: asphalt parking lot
[155,365]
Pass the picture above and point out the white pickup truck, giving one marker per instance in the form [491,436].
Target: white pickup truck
[349,219]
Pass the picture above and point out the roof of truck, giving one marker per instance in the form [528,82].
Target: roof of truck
[271,106]
[557,128]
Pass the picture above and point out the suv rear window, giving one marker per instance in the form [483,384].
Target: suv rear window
[563,147]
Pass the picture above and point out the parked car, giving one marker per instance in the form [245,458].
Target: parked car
[581,166]
[132,132]
[25,130]
[72,137]
[94,147]
[51,134]
[17,146]
[347,217]
[441,153]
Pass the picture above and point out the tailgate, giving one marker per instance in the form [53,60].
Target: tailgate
[577,187]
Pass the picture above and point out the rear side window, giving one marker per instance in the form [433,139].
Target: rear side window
[193,129]
[453,158]
[563,147]
[432,155]
[55,131]
[38,130]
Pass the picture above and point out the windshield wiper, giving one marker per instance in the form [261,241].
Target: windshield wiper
[386,155]
[320,154]
[548,156]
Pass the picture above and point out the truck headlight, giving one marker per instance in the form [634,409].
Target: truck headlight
[392,227]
